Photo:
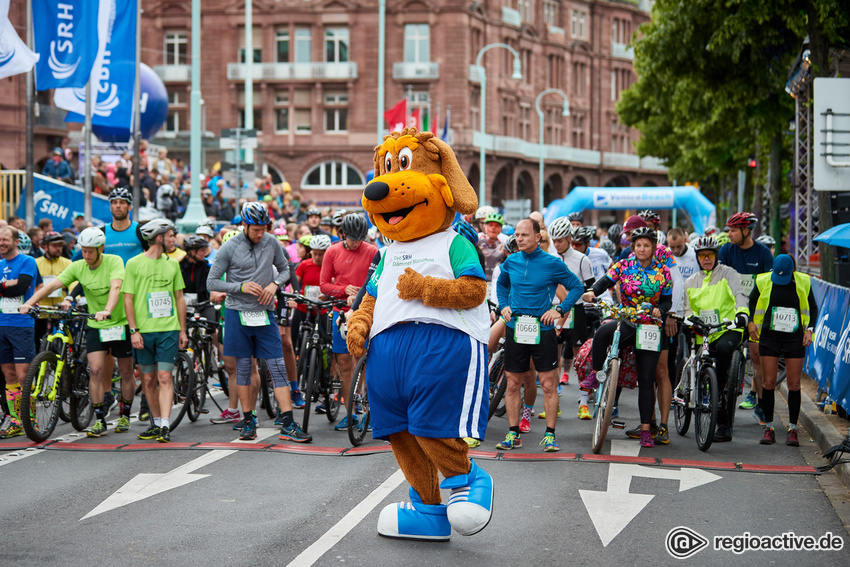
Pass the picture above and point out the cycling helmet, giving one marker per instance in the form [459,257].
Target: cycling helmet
[766,240]
[742,220]
[326,221]
[645,232]
[706,243]
[193,242]
[155,227]
[511,245]
[121,193]
[609,247]
[281,233]
[24,242]
[320,242]
[483,212]
[495,217]
[314,212]
[560,228]
[710,230]
[576,216]
[508,230]
[229,235]
[354,226]
[650,216]
[465,229]
[51,236]
[614,232]
[722,238]
[92,238]
[165,190]
[583,234]
[662,238]
[205,230]
[255,213]
[305,240]
[336,220]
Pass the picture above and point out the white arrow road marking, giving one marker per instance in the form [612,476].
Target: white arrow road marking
[612,510]
[145,485]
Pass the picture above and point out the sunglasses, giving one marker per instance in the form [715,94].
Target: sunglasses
[705,255]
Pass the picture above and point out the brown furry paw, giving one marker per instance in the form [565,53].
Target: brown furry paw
[411,285]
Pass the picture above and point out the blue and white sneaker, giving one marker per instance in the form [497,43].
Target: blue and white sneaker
[471,502]
[415,520]
[758,415]
[343,425]
[297,399]
[320,408]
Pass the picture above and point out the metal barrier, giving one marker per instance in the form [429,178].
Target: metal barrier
[12,184]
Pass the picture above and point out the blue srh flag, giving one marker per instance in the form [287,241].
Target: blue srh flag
[114,73]
[65,37]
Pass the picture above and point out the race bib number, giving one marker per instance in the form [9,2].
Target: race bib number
[784,319]
[254,318]
[748,281]
[710,316]
[160,304]
[191,301]
[10,305]
[112,334]
[570,321]
[312,292]
[47,281]
[649,338]
[527,330]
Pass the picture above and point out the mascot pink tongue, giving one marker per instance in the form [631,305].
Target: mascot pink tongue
[428,327]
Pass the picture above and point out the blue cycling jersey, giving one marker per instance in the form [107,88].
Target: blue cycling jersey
[756,259]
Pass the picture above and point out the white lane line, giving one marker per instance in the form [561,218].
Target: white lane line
[322,545]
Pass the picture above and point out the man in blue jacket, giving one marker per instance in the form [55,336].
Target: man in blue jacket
[525,289]
[57,168]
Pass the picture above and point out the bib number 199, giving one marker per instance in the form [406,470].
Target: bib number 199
[649,338]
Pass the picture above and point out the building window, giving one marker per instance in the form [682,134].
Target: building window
[333,175]
[417,43]
[172,124]
[281,111]
[336,112]
[620,30]
[525,122]
[303,120]
[303,45]
[336,45]
[176,48]
[524,9]
[256,44]
[578,24]
[578,130]
[282,46]
[550,12]
[258,119]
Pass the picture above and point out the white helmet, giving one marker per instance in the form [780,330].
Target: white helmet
[484,211]
[662,238]
[92,238]
[320,242]
[560,228]
[205,231]
[155,227]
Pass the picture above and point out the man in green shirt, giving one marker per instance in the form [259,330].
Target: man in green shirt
[101,276]
[156,312]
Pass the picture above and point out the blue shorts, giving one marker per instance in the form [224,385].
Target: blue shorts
[17,345]
[160,351]
[428,379]
[339,346]
[246,342]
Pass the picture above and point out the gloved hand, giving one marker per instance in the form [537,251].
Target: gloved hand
[741,320]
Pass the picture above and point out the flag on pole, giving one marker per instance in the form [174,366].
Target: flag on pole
[415,119]
[396,116]
[65,33]
[15,56]
[445,133]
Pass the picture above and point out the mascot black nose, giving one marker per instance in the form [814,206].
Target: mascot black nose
[376,190]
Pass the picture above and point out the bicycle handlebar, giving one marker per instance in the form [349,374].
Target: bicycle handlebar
[703,327]
[298,298]
[625,313]
[35,310]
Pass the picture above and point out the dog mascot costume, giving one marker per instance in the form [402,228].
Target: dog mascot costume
[428,328]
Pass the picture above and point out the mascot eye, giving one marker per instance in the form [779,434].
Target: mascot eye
[388,162]
[405,158]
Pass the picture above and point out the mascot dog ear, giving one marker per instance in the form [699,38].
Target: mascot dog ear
[465,199]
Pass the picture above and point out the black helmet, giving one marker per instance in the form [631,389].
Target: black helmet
[615,231]
[355,227]
[511,245]
[121,193]
[193,242]
[312,212]
[706,243]
[645,232]
[326,221]
[52,236]
[255,212]
[583,234]
[576,216]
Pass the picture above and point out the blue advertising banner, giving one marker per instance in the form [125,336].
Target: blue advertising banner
[58,202]
[822,353]
[64,35]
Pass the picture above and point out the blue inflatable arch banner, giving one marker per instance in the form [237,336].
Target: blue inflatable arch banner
[701,211]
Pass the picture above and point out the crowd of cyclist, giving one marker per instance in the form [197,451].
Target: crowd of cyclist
[542,283]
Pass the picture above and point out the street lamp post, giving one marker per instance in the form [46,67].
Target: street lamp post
[565,112]
[482,75]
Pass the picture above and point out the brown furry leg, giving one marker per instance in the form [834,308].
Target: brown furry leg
[417,467]
[450,455]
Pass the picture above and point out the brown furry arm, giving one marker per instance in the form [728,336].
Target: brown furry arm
[465,292]
[359,326]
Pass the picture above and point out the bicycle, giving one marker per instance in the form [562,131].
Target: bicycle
[60,372]
[205,361]
[696,390]
[606,392]
[358,405]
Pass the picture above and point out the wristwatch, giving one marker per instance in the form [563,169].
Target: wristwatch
[811,329]
[133,331]
[560,310]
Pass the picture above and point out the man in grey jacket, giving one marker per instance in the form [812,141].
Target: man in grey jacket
[250,328]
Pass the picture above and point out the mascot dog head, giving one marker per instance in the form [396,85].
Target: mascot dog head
[418,186]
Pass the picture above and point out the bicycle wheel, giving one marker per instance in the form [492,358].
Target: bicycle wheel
[267,399]
[312,371]
[39,413]
[333,398]
[357,405]
[734,386]
[682,413]
[605,405]
[82,410]
[301,365]
[183,381]
[199,389]
[706,407]
[498,385]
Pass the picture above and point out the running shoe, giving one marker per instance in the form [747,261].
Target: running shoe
[144,416]
[343,425]
[584,412]
[662,437]
[97,430]
[512,441]
[548,443]
[792,440]
[109,402]
[151,432]
[227,416]
[249,431]
[297,399]
[524,425]
[542,414]
[616,411]
[123,425]
[646,439]
[472,442]
[279,419]
[749,402]
[758,415]
[635,433]
[294,433]
[565,378]
[12,428]
[589,383]
[769,437]
[164,435]
[320,408]
[723,434]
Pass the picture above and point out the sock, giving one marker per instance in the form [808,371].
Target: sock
[663,426]
[252,415]
[582,397]
[157,422]
[526,411]
[550,431]
[768,400]
[287,418]
[13,400]
[166,421]
[99,412]
[769,425]
[794,401]
[293,385]
[515,429]
[126,406]
[792,427]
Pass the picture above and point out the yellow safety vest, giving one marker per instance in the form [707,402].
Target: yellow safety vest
[765,286]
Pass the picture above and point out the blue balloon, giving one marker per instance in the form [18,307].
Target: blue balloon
[154,111]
